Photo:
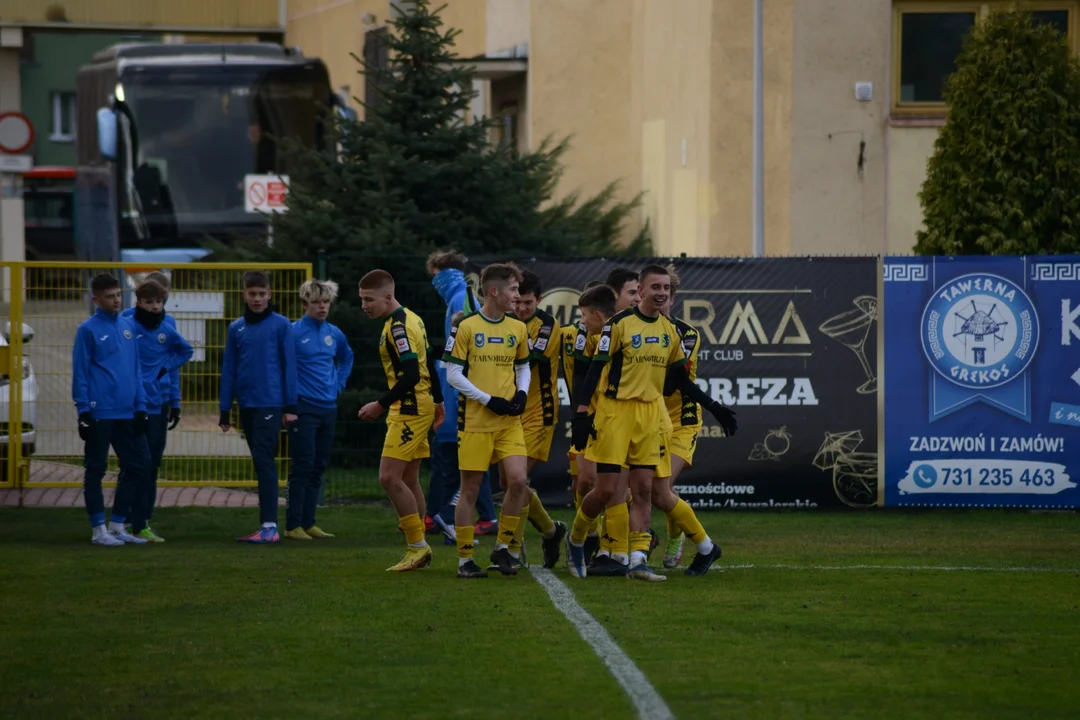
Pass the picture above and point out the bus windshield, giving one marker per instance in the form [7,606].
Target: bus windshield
[195,132]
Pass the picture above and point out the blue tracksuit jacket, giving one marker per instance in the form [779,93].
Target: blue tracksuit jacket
[324,361]
[106,372]
[170,384]
[453,290]
[160,347]
[259,368]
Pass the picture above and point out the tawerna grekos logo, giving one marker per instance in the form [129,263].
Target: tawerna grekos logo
[979,332]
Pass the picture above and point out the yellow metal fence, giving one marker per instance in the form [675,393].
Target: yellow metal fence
[42,305]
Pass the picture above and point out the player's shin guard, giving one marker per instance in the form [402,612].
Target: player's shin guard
[617,526]
[684,517]
[538,516]
[508,530]
[413,527]
[465,544]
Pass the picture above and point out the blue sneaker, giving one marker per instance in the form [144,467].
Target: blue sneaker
[262,536]
[643,572]
[575,559]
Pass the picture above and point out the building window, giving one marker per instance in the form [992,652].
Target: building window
[63,117]
[929,34]
[508,126]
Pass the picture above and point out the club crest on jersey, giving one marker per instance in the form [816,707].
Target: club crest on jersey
[579,342]
[330,341]
[605,343]
[478,340]
[511,341]
[161,338]
[635,341]
[665,340]
[127,334]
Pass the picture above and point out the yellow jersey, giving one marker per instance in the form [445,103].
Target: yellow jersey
[684,411]
[488,351]
[567,337]
[404,337]
[544,333]
[637,350]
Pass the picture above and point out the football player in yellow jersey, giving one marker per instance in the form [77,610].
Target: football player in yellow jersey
[538,420]
[487,358]
[683,415]
[415,406]
[635,350]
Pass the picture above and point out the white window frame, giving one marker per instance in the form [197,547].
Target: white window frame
[57,124]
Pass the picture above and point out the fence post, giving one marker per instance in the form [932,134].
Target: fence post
[320,265]
[15,408]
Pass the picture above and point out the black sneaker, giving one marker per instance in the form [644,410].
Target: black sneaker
[470,571]
[703,561]
[504,562]
[517,563]
[654,540]
[592,544]
[553,545]
[607,566]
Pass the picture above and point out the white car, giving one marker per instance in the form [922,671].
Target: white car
[29,404]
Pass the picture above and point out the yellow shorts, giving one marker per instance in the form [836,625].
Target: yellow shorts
[477,451]
[407,437]
[572,457]
[626,434]
[538,439]
[663,467]
[684,442]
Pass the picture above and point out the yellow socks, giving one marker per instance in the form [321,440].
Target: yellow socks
[465,545]
[684,517]
[508,530]
[617,526]
[413,527]
[639,542]
[538,516]
[605,539]
[580,528]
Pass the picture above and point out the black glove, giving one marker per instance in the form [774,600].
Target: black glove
[174,417]
[162,372]
[581,428]
[517,405]
[86,424]
[223,419]
[500,406]
[724,416]
[140,423]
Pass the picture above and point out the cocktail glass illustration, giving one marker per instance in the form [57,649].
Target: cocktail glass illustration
[852,328]
[855,479]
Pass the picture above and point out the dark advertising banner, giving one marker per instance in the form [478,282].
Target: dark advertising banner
[791,345]
[982,359]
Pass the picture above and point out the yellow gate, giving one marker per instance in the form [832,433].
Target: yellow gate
[42,305]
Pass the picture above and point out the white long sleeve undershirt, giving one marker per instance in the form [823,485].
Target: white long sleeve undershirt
[455,375]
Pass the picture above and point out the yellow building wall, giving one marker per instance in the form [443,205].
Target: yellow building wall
[332,32]
[836,207]
[671,109]
[732,95]
[470,17]
[909,149]
[507,24]
[225,14]
[580,78]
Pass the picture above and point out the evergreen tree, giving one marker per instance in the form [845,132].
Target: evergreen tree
[1005,174]
[414,176]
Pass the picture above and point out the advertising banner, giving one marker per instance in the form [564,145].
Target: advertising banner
[791,345]
[982,365]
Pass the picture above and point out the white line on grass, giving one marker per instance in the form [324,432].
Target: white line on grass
[643,695]
[913,568]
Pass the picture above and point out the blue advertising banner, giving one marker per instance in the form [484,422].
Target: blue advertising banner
[982,381]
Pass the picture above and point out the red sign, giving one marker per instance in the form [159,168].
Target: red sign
[16,133]
[276,194]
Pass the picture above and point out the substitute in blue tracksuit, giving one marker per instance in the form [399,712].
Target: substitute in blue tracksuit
[324,362]
[259,372]
[162,351]
[448,276]
[111,402]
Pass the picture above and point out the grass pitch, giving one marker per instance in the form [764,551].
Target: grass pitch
[205,627]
